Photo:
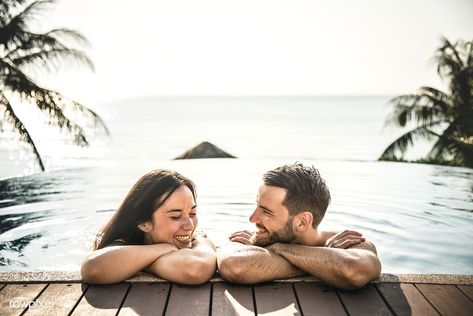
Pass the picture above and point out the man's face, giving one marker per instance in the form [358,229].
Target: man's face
[271,218]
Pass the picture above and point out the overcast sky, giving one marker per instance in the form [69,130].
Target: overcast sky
[256,47]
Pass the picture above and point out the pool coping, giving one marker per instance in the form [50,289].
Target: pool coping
[75,277]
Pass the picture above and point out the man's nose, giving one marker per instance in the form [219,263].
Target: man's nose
[254,217]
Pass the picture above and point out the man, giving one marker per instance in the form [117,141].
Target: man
[290,206]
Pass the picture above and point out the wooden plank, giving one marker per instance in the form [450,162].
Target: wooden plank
[232,300]
[447,299]
[365,301]
[467,289]
[145,299]
[405,299]
[57,299]
[189,300]
[15,298]
[317,298]
[276,299]
[102,300]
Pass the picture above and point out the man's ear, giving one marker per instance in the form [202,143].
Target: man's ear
[304,220]
[146,226]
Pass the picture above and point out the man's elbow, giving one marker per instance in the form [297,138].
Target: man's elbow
[359,272]
[233,269]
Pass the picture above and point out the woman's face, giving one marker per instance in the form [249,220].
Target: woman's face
[174,222]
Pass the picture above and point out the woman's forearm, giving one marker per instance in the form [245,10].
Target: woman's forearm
[188,266]
[117,263]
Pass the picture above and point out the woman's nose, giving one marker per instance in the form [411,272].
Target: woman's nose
[188,224]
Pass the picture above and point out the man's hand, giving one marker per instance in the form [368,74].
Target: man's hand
[243,237]
[345,239]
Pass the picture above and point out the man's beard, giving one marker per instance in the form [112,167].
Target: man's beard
[284,235]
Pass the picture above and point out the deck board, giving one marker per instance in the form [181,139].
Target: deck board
[57,299]
[102,300]
[365,301]
[145,299]
[317,298]
[405,299]
[13,296]
[232,300]
[276,299]
[467,289]
[189,300]
[447,299]
[418,295]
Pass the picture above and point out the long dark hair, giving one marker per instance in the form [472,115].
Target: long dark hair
[146,195]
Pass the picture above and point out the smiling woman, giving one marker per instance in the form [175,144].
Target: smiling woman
[153,230]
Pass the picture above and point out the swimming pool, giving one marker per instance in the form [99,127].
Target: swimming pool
[420,217]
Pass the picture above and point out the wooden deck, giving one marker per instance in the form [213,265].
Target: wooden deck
[391,295]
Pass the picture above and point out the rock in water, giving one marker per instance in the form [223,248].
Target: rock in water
[205,150]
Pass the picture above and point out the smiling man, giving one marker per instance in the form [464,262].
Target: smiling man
[290,205]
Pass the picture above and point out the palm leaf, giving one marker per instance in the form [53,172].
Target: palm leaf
[401,144]
[52,59]
[424,108]
[14,28]
[10,116]
[46,100]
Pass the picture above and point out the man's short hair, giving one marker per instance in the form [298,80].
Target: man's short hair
[306,190]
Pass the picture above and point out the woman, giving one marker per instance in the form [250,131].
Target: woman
[153,230]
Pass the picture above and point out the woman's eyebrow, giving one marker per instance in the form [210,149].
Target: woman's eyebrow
[180,209]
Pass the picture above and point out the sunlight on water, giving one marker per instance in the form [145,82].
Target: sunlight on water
[418,216]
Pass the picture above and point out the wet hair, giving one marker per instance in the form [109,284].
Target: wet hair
[306,190]
[146,195]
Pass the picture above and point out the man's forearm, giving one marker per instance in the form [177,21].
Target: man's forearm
[252,264]
[343,268]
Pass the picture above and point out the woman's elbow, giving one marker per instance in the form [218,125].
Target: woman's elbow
[90,273]
[199,271]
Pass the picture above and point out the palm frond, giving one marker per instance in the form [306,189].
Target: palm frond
[47,101]
[14,29]
[10,116]
[401,144]
[448,59]
[92,116]
[423,107]
[52,60]
[6,6]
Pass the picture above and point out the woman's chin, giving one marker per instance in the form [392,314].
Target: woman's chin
[182,244]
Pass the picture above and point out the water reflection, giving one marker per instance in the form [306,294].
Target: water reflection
[30,189]
[411,212]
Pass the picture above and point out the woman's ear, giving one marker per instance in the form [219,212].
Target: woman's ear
[304,220]
[146,226]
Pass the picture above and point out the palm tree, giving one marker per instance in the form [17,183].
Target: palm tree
[23,51]
[446,118]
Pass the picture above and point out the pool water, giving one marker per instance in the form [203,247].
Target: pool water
[420,217]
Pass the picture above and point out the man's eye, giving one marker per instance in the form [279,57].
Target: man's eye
[192,214]
[175,217]
[266,212]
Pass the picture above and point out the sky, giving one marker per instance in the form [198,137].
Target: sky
[255,47]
